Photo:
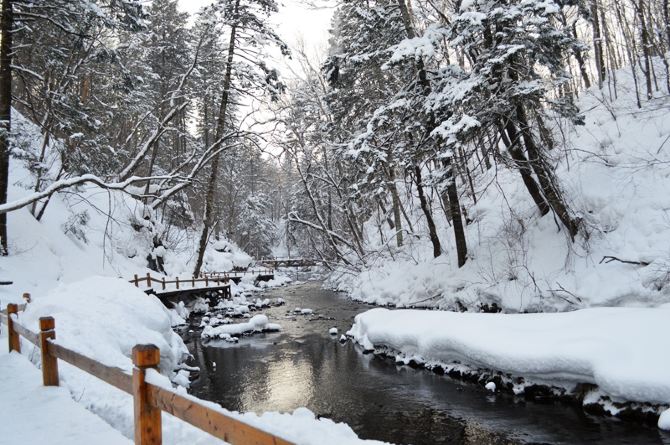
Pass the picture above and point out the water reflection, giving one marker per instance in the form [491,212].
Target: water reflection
[304,366]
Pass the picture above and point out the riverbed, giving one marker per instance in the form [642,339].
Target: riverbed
[303,365]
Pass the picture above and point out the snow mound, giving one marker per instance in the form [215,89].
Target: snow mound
[618,349]
[664,420]
[257,323]
[103,318]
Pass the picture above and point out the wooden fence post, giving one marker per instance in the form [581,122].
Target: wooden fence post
[12,335]
[148,430]
[49,362]
[177,281]
[206,281]
[163,283]
[193,281]
[149,279]
[137,281]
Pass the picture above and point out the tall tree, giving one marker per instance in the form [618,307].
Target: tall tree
[7,25]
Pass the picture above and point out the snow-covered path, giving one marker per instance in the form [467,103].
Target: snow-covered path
[33,413]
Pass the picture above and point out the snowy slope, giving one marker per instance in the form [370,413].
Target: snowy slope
[89,231]
[615,174]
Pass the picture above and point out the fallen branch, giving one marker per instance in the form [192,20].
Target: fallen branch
[608,259]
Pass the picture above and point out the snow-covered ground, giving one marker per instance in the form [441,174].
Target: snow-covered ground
[35,414]
[104,318]
[615,175]
[618,350]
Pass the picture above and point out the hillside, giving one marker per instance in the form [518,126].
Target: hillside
[615,173]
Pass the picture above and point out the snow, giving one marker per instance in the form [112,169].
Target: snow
[332,331]
[614,174]
[257,323]
[664,420]
[89,231]
[103,318]
[490,386]
[618,349]
[35,414]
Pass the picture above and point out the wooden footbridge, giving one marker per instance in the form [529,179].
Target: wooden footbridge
[210,282]
[289,262]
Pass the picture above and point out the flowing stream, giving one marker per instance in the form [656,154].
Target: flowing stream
[305,366]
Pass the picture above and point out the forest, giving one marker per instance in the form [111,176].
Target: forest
[413,104]
[492,174]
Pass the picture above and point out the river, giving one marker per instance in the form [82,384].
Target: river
[305,366]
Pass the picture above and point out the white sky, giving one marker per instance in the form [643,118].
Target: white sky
[296,23]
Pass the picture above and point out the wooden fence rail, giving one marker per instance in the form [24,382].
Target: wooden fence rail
[217,279]
[149,400]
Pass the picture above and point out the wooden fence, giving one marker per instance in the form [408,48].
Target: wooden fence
[149,400]
[211,279]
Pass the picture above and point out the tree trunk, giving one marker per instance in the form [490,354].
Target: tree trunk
[396,207]
[580,60]
[544,175]
[209,217]
[598,44]
[644,41]
[522,164]
[432,230]
[456,217]
[7,24]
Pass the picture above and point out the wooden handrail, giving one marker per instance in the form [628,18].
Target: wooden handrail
[27,334]
[216,423]
[208,276]
[149,399]
[108,374]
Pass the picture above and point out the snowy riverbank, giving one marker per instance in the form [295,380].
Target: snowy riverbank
[617,352]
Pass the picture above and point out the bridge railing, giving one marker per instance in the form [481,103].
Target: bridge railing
[149,399]
[209,278]
[151,281]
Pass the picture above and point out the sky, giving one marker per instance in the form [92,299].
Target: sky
[297,24]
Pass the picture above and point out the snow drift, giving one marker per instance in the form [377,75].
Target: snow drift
[618,349]
[103,318]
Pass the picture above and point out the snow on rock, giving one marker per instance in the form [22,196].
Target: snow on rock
[664,420]
[332,331]
[103,318]
[617,349]
[491,386]
[257,323]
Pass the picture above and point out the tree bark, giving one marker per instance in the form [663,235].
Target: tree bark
[644,42]
[432,230]
[544,175]
[396,206]
[456,216]
[522,164]
[7,24]
[598,44]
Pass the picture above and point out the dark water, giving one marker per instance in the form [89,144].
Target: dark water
[305,366]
